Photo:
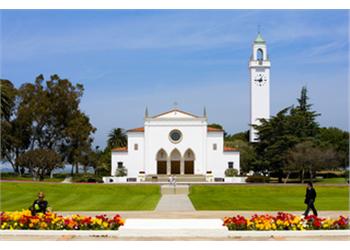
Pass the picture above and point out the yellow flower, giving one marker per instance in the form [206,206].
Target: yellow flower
[43,225]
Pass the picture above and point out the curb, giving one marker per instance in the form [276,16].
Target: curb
[174,233]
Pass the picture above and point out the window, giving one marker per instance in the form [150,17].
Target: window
[215,146]
[136,146]
[175,136]
[120,164]
[230,164]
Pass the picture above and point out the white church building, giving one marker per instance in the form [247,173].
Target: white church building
[175,143]
[182,144]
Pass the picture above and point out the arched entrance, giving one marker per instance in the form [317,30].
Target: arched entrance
[162,162]
[175,162]
[189,162]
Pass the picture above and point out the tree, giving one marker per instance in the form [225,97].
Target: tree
[117,138]
[303,119]
[46,115]
[15,134]
[8,94]
[243,136]
[307,156]
[79,140]
[282,132]
[338,140]
[49,109]
[275,139]
[40,162]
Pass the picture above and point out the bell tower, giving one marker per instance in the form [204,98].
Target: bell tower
[259,69]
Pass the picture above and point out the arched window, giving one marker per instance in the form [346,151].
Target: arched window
[259,55]
[161,158]
[175,162]
[189,158]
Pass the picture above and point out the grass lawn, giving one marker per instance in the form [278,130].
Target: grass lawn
[80,197]
[265,197]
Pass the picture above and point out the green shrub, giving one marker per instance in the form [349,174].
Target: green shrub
[87,178]
[258,179]
[330,174]
[120,172]
[61,175]
[231,172]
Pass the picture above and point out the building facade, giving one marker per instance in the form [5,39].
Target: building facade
[175,143]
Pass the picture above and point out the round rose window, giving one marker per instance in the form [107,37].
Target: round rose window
[175,136]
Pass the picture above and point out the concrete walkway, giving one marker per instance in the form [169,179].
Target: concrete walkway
[176,203]
[174,198]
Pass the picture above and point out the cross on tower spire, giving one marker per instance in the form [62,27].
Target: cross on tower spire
[175,104]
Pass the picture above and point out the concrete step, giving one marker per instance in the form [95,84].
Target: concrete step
[173,228]
[174,189]
[179,178]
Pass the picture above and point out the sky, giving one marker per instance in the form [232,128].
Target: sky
[130,59]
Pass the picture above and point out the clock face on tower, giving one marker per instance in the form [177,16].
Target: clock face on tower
[260,79]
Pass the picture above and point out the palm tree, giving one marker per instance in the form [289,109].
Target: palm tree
[117,138]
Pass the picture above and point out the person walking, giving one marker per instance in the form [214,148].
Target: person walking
[39,205]
[310,197]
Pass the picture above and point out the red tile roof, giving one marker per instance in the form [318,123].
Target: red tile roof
[228,149]
[211,129]
[122,149]
[142,129]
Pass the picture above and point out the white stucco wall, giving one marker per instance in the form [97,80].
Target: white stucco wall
[214,156]
[218,159]
[136,157]
[118,157]
[156,137]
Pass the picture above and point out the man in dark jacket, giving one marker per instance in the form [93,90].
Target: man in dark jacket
[310,199]
[39,205]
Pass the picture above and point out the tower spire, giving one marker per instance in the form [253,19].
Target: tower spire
[146,112]
[204,112]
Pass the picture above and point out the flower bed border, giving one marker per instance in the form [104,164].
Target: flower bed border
[284,222]
[25,220]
